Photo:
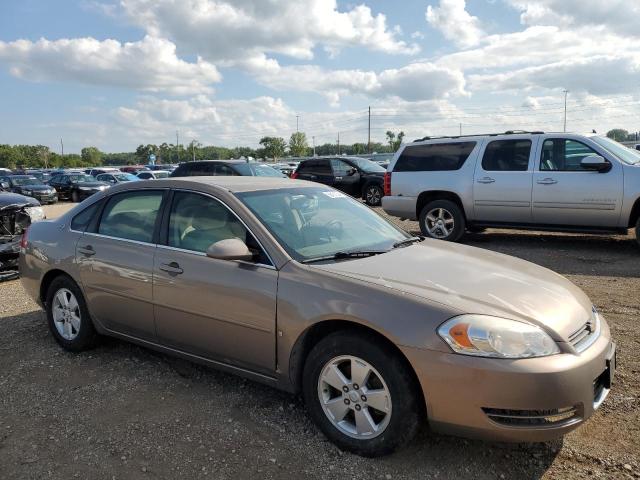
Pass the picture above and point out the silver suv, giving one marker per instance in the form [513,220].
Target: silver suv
[534,180]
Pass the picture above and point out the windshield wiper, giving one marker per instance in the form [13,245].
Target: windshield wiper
[341,255]
[407,241]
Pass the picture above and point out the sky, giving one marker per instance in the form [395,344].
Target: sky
[115,74]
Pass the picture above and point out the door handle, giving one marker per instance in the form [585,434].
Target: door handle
[171,268]
[547,181]
[87,250]
[313,176]
[338,178]
[486,180]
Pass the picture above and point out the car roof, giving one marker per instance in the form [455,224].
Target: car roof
[196,162]
[330,157]
[22,176]
[234,184]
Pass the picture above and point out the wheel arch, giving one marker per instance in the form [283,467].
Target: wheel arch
[425,197]
[47,279]
[635,213]
[316,332]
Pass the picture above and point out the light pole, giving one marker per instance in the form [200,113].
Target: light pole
[565,109]
[297,123]
[313,141]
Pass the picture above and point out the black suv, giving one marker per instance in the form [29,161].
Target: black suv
[359,177]
[225,168]
[76,186]
[29,186]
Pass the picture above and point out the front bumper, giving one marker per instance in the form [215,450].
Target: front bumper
[45,197]
[527,400]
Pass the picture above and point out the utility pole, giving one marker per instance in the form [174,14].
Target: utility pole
[461,129]
[62,147]
[297,123]
[177,141]
[565,109]
[338,143]
[369,136]
[193,149]
[313,140]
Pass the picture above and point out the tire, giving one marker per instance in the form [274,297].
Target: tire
[372,195]
[451,220]
[73,328]
[75,197]
[403,400]
[638,231]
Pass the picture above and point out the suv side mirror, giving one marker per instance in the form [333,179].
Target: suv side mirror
[595,162]
[230,249]
[5,185]
[352,171]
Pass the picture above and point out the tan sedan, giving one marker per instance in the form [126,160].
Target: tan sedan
[297,285]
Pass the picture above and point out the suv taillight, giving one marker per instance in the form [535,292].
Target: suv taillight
[23,240]
[387,184]
[294,175]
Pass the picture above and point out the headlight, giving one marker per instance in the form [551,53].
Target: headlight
[35,213]
[487,336]
[26,192]
[85,189]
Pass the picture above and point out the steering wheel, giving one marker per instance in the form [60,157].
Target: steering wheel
[335,227]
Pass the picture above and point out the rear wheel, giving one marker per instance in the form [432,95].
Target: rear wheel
[373,195]
[361,394]
[68,316]
[75,197]
[638,231]
[443,220]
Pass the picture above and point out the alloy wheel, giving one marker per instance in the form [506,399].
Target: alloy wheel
[373,195]
[66,314]
[354,397]
[439,222]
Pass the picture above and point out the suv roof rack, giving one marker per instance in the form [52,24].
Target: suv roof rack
[508,132]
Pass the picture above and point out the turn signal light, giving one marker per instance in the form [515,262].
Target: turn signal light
[387,183]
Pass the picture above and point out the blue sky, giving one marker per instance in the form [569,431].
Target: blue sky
[115,74]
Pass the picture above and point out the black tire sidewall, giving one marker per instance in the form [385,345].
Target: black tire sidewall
[405,410]
[638,231]
[458,218]
[364,194]
[87,336]
[75,197]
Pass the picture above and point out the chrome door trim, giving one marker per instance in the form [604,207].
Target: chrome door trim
[202,254]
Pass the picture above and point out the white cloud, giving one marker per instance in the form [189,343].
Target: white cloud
[456,24]
[230,32]
[149,65]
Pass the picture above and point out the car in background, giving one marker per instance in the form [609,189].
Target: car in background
[153,174]
[133,168]
[76,186]
[94,172]
[225,168]
[117,177]
[6,171]
[637,147]
[42,175]
[525,180]
[284,168]
[17,212]
[161,166]
[29,186]
[359,177]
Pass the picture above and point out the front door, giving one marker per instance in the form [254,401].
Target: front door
[217,309]
[346,177]
[566,194]
[116,263]
[502,182]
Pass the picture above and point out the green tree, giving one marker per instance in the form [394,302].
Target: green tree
[143,152]
[298,145]
[393,140]
[91,156]
[273,147]
[619,134]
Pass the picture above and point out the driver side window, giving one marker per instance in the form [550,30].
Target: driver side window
[564,155]
[340,168]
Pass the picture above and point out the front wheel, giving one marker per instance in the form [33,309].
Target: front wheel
[75,197]
[638,231]
[443,220]
[361,394]
[373,195]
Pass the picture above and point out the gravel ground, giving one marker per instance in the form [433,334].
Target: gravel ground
[121,411]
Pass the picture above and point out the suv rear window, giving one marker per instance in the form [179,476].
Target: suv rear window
[507,156]
[434,157]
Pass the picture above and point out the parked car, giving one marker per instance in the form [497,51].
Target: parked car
[356,176]
[29,186]
[94,172]
[637,147]
[42,175]
[153,175]
[17,212]
[299,286]
[133,168]
[225,168]
[76,186]
[548,181]
[117,177]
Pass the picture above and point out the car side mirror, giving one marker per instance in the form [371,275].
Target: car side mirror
[595,162]
[5,185]
[352,171]
[230,249]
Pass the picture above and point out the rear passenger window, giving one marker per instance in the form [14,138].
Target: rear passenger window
[131,215]
[434,157]
[507,156]
[81,220]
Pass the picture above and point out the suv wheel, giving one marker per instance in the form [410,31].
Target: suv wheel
[638,231]
[75,197]
[68,316]
[373,195]
[360,394]
[443,220]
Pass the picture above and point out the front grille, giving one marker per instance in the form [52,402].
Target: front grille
[586,334]
[532,418]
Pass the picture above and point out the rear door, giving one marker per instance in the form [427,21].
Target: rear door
[115,258]
[502,180]
[218,309]
[317,171]
[566,194]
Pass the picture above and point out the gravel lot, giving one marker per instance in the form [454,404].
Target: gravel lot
[121,411]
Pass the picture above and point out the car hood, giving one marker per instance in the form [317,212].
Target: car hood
[7,199]
[474,280]
[91,184]
[36,188]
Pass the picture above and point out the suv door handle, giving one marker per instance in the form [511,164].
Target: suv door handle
[87,250]
[547,181]
[486,180]
[313,176]
[171,268]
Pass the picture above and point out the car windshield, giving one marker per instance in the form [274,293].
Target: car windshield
[125,177]
[367,165]
[625,154]
[162,174]
[257,170]
[22,181]
[80,178]
[312,223]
